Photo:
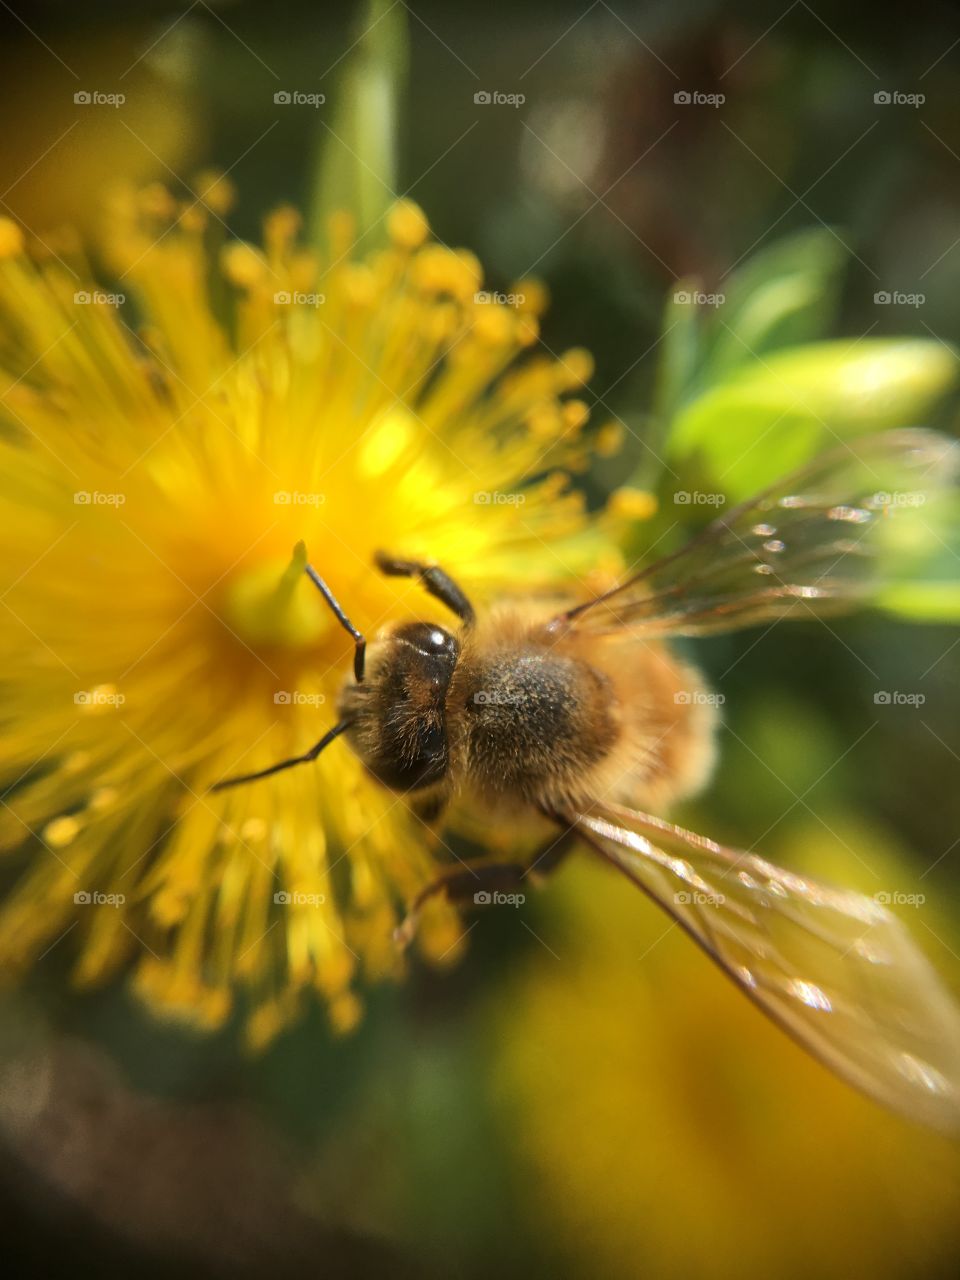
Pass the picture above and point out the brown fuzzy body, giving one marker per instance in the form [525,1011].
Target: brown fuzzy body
[533,716]
[566,720]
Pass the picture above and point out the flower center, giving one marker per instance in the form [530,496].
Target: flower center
[273,604]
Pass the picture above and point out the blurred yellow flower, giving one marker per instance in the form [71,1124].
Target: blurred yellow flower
[667,1128]
[154,483]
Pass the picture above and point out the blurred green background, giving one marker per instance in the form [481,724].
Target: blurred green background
[582,1096]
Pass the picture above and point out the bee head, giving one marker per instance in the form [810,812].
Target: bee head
[398,727]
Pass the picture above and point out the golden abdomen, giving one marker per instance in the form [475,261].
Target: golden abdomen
[668,744]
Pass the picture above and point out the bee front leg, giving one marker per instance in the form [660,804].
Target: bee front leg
[437,582]
[474,881]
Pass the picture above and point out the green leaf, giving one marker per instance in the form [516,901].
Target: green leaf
[784,295]
[679,351]
[928,589]
[356,166]
[923,601]
[680,348]
[775,413]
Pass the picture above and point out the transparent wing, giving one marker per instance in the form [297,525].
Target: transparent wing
[833,968]
[816,541]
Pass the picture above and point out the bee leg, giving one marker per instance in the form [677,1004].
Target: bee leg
[465,883]
[439,584]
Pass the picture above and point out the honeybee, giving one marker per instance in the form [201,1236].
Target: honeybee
[588,717]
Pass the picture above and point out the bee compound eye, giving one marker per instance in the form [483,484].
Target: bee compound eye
[428,639]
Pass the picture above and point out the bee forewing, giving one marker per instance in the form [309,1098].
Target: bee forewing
[833,968]
[818,542]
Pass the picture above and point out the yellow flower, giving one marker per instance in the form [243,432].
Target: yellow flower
[154,639]
[665,1127]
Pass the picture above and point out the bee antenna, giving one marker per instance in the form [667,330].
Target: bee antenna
[312,754]
[359,652]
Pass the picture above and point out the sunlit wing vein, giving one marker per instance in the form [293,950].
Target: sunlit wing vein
[832,967]
[822,536]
